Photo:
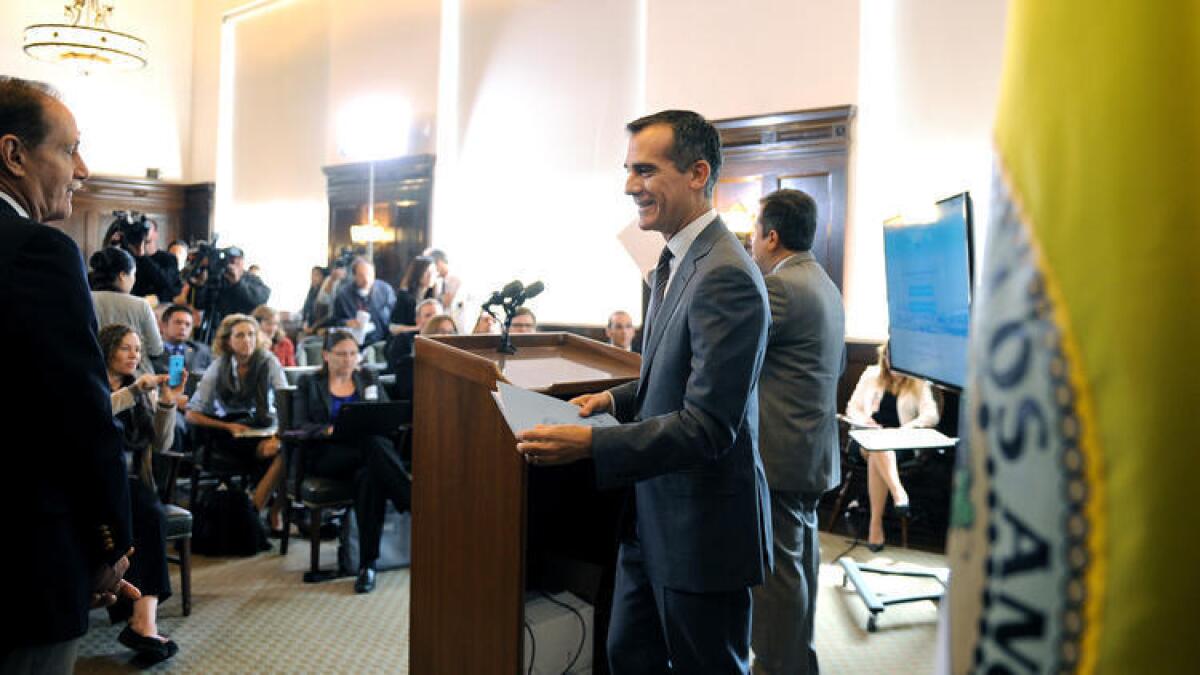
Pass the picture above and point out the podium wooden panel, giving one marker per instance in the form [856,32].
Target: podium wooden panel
[470,487]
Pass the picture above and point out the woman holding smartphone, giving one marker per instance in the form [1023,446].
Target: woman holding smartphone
[144,410]
[371,461]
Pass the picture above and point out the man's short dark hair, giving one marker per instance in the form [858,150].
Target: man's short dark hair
[438,255]
[695,140]
[23,109]
[172,310]
[791,213]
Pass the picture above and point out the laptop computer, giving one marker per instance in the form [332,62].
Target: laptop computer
[362,418]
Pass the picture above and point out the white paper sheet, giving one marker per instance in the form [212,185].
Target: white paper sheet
[524,409]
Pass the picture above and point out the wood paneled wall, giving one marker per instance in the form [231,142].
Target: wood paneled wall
[181,211]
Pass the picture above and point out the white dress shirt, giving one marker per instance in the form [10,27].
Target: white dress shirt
[13,203]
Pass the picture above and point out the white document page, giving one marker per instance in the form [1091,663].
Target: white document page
[524,409]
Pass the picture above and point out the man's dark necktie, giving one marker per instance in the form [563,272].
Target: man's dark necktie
[661,274]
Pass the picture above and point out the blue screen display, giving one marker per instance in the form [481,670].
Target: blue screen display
[929,293]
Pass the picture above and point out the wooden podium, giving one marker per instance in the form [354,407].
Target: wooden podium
[482,517]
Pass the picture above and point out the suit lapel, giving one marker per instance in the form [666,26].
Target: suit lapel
[683,278]
[326,401]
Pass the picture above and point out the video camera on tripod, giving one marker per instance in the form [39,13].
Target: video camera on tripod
[207,263]
[129,230]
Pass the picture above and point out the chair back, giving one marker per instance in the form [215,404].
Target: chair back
[294,373]
[308,352]
[375,353]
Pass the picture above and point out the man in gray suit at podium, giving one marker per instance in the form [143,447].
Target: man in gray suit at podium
[798,434]
[697,536]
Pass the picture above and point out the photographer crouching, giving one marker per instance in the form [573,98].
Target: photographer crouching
[217,285]
[137,234]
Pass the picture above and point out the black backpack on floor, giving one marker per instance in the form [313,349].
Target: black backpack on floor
[228,524]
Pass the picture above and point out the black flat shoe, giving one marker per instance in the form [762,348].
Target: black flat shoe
[365,583]
[147,648]
[874,548]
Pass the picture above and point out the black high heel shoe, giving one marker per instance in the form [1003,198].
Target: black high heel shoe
[903,510]
[874,548]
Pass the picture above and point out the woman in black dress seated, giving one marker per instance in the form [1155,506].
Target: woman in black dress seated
[233,408]
[372,462]
[887,399]
[144,410]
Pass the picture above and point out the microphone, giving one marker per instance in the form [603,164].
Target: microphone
[496,299]
[512,289]
[531,291]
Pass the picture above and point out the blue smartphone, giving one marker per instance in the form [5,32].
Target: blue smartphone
[175,370]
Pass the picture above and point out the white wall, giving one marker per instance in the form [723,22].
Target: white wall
[531,183]
[725,58]
[536,93]
[928,89]
[294,63]
[271,191]
[130,121]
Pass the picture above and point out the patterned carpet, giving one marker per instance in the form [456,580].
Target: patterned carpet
[255,615]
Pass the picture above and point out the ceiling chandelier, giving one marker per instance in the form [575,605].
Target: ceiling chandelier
[85,40]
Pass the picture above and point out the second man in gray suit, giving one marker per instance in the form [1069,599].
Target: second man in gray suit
[798,435]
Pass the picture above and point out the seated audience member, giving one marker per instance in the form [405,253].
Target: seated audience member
[144,409]
[400,348]
[445,285]
[279,343]
[323,306]
[414,288]
[308,312]
[371,461]
[176,324]
[884,398]
[440,324]
[620,330]
[112,275]
[237,394]
[484,325]
[524,321]
[365,304]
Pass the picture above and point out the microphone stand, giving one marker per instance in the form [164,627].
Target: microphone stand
[506,345]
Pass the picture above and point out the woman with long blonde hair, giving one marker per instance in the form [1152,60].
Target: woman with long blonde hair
[236,395]
[885,398]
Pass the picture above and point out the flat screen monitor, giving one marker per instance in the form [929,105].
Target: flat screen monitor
[929,268]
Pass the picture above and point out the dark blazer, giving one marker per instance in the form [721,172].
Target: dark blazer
[379,302]
[797,392]
[689,438]
[66,489]
[310,403]
[197,357]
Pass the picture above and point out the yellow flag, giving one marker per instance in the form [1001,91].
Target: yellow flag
[1074,542]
